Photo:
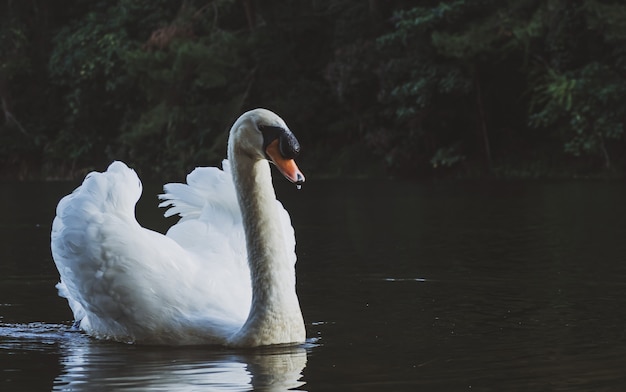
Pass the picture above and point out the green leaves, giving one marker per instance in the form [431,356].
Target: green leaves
[458,73]
[455,84]
[585,105]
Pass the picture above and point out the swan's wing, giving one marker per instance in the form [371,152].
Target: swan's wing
[129,283]
[207,188]
[211,222]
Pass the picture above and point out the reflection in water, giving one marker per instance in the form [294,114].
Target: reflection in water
[110,366]
[86,364]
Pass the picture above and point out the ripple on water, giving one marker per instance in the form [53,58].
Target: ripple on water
[34,336]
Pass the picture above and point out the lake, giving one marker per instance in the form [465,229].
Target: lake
[434,286]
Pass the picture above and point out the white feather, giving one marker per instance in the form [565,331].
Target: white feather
[191,286]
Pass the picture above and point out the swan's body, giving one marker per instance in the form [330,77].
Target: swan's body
[224,274]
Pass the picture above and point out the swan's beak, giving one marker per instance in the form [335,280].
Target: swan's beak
[286,166]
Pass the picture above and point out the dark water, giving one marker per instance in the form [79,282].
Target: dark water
[503,286]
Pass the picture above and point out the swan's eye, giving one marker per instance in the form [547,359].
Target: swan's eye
[270,133]
[289,146]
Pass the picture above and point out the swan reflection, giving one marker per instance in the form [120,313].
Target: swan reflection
[87,365]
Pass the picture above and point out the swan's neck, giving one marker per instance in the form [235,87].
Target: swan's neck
[275,315]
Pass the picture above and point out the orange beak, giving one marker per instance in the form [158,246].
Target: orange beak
[287,167]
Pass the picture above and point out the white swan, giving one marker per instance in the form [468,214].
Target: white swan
[224,274]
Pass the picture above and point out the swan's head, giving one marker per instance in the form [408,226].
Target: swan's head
[261,134]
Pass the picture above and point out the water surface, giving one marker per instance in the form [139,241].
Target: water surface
[447,286]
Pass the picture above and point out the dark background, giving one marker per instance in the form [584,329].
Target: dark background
[521,88]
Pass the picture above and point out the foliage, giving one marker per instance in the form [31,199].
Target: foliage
[412,87]
[178,119]
[444,66]
[581,97]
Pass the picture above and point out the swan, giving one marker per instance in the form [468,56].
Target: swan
[223,275]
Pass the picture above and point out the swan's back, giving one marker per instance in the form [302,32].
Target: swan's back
[128,283]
